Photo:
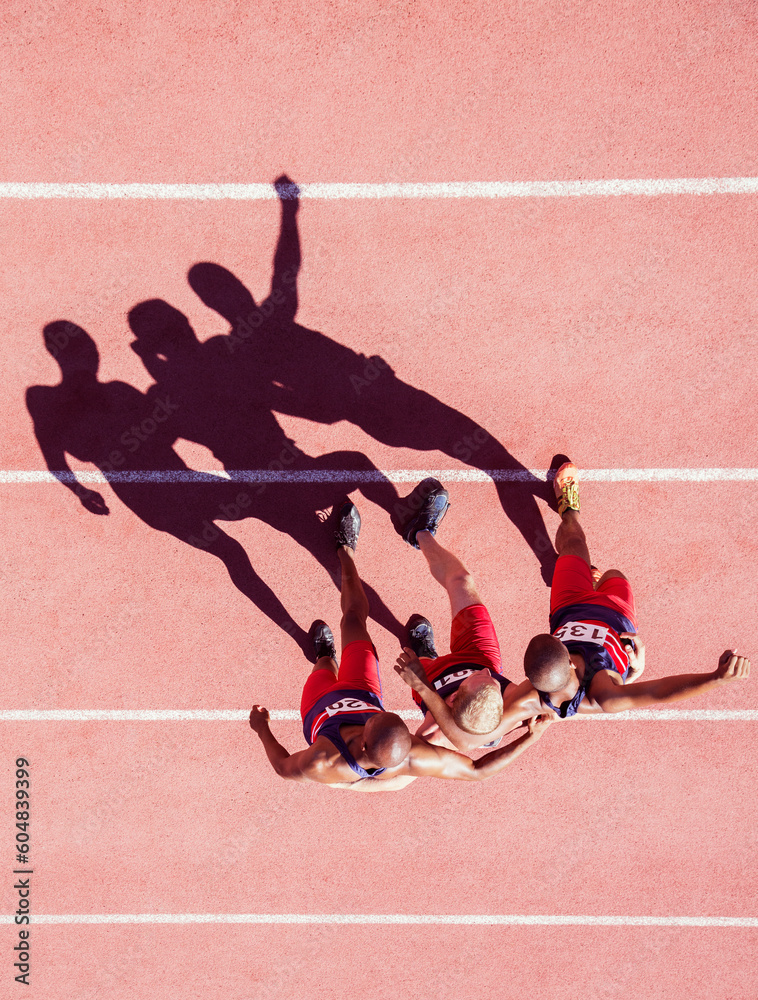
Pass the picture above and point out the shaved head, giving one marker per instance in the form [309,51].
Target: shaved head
[158,326]
[547,663]
[478,705]
[221,290]
[387,739]
[71,346]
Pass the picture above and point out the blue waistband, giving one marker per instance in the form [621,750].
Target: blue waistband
[595,612]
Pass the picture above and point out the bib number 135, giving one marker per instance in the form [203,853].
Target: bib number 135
[582,632]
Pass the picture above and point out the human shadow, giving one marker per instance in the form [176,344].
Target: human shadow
[129,436]
[293,370]
[224,393]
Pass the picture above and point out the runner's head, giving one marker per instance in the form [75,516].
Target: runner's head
[478,704]
[160,330]
[547,663]
[72,347]
[223,291]
[386,739]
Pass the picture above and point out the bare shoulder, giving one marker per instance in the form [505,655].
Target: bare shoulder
[322,762]
[522,699]
[425,757]
[421,748]
[605,680]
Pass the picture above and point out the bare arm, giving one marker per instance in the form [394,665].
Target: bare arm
[302,766]
[438,762]
[376,784]
[292,766]
[615,698]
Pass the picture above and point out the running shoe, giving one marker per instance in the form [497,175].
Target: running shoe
[348,526]
[419,637]
[433,499]
[322,638]
[566,486]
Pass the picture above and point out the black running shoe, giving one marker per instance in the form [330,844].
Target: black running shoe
[419,636]
[348,526]
[323,639]
[433,499]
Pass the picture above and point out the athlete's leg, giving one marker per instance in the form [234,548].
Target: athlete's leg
[326,663]
[353,600]
[609,575]
[449,572]
[570,539]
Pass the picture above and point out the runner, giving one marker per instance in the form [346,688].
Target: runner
[470,677]
[586,663]
[354,742]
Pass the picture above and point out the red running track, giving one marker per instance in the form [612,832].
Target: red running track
[620,331]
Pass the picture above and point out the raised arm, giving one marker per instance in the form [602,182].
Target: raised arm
[612,697]
[283,294]
[292,766]
[438,762]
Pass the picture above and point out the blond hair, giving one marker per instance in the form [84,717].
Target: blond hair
[479,711]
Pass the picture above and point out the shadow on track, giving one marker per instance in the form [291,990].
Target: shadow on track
[224,393]
[126,433]
[304,373]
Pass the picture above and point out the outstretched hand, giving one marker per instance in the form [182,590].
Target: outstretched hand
[539,724]
[635,650]
[259,718]
[409,667]
[731,666]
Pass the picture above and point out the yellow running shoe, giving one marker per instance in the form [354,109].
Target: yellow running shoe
[566,486]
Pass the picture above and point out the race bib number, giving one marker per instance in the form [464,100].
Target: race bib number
[449,678]
[349,705]
[581,632]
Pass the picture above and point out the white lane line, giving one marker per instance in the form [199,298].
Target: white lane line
[375,476]
[292,715]
[649,187]
[502,919]
[155,715]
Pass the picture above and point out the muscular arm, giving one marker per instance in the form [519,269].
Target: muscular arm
[612,697]
[307,765]
[376,784]
[438,762]
[292,766]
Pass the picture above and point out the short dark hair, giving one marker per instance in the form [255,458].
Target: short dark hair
[388,741]
[547,663]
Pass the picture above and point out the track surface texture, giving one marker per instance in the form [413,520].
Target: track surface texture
[484,332]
